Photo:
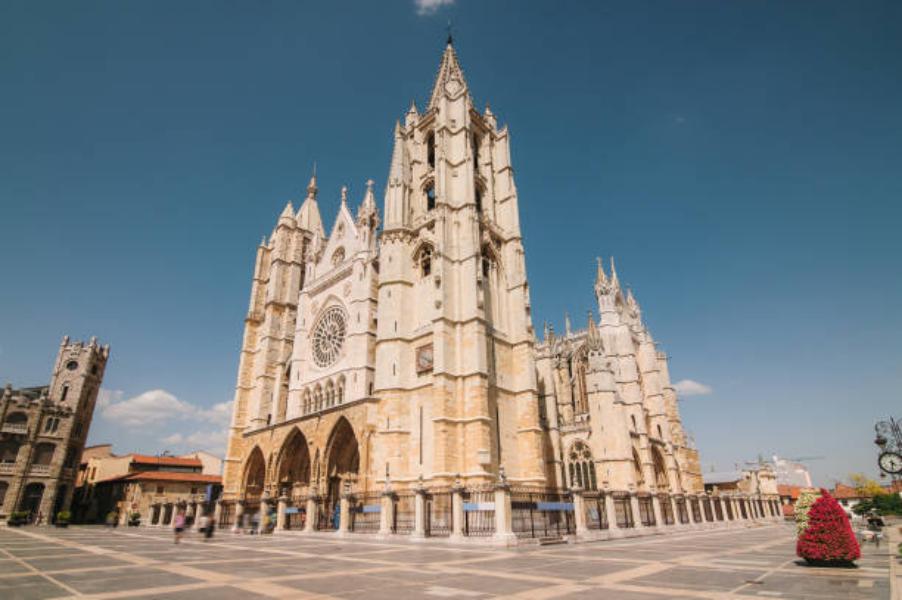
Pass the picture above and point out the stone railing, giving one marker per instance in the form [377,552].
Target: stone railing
[7,468]
[40,469]
[503,515]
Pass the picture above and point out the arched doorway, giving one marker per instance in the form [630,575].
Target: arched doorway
[254,475]
[294,465]
[660,470]
[31,499]
[342,463]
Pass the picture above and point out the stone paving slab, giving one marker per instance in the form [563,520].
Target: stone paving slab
[145,563]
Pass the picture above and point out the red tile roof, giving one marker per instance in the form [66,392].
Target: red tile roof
[791,491]
[169,461]
[846,492]
[166,476]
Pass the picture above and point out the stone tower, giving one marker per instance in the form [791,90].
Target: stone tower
[261,394]
[454,342]
[44,431]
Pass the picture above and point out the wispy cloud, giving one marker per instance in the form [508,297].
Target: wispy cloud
[211,441]
[430,7]
[155,407]
[688,387]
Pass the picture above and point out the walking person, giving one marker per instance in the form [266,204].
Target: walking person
[179,525]
[203,524]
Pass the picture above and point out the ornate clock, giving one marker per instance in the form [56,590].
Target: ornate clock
[424,358]
[891,462]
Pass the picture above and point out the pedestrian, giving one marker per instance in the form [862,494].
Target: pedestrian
[202,524]
[40,519]
[110,520]
[179,525]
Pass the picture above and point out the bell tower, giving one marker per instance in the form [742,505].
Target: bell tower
[455,368]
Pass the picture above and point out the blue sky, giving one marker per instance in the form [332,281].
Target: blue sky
[741,160]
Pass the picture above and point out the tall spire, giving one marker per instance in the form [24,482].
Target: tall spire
[615,282]
[450,77]
[369,199]
[593,338]
[308,217]
[601,280]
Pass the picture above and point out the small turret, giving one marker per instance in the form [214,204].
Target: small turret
[308,217]
[593,337]
[368,206]
[287,216]
[412,115]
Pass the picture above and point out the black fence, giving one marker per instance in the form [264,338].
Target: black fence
[742,509]
[324,518]
[439,513]
[623,510]
[666,509]
[365,513]
[682,512]
[646,511]
[296,518]
[405,512]
[539,513]
[728,505]
[718,509]
[696,510]
[479,512]
[226,515]
[596,511]
[706,504]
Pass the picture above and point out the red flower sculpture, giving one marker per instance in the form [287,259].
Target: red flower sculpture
[829,538]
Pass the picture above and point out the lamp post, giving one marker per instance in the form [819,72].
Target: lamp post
[889,440]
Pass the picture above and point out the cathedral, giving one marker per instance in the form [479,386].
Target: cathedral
[396,352]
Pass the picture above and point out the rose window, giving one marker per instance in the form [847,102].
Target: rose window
[329,336]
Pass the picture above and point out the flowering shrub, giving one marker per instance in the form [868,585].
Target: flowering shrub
[828,538]
[803,505]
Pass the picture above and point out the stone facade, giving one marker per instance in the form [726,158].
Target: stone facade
[401,354]
[44,430]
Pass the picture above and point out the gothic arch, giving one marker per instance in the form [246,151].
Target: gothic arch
[342,459]
[254,474]
[660,469]
[637,467]
[293,463]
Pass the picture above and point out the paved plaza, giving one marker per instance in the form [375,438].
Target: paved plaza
[94,562]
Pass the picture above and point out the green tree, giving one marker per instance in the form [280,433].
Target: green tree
[882,504]
[865,486]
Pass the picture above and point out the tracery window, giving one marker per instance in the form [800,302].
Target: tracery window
[660,469]
[581,467]
[329,336]
[637,467]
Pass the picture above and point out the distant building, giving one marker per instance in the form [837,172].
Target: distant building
[154,486]
[789,472]
[44,430]
[755,480]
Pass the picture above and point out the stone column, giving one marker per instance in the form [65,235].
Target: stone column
[239,512]
[634,505]
[457,511]
[656,508]
[344,514]
[677,520]
[281,517]
[148,516]
[504,531]
[613,527]
[387,512]
[579,512]
[201,510]
[689,499]
[217,513]
[419,521]
[172,513]
[311,513]
[263,517]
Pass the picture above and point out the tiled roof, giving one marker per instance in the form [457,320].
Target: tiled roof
[845,492]
[166,476]
[169,461]
[792,491]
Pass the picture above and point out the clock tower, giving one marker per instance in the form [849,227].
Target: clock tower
[455,371]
